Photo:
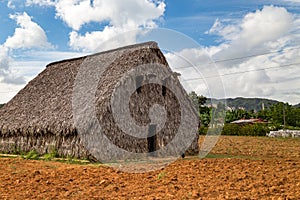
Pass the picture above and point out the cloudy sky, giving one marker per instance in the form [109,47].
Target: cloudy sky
[220,48]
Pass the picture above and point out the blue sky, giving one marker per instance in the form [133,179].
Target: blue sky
[199,32]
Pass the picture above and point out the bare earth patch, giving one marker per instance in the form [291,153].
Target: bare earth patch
[237,168]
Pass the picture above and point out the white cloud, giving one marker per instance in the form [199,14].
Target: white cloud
[119,17]
[269,24]
[6,74]
[271,29]
[254,82]
[8,91]
[255,32]
[10,4]
[226,31]
[293,1]
[40,2]
[109,38]
[114,18]
[28,35]
[19,72]
[119,13]
[4,59]
[198,72]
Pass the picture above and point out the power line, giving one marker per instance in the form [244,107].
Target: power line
[225,60]
[256,55]
[242,72]
[243,57]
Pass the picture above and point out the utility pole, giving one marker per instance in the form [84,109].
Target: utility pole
[283,116]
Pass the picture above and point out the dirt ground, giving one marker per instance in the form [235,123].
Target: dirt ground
[237,168]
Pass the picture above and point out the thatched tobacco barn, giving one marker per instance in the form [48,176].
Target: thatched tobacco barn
[41,115]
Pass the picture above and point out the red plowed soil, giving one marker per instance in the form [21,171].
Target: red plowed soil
[238,168]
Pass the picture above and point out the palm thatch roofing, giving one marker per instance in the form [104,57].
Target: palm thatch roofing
[41,117]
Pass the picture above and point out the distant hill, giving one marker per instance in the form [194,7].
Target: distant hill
[297,105]
[246,103]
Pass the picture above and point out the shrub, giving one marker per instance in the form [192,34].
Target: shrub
[51,155]
[31,155]
[203,130]
[245,129]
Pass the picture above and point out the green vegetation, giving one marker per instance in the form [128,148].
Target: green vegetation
[218,156]
[246,130]
[32,155]
[161,175]
[204,112]
[1,105]
[51,155]
[276,115]
[297,106]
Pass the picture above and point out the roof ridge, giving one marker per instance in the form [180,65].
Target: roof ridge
[150,44]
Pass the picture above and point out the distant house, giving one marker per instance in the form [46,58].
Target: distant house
[249,121]
[284,133]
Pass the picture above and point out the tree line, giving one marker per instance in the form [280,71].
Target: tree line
[277,116]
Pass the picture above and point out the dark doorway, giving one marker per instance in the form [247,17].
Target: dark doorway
[151,139]
[138,83]
[164,88]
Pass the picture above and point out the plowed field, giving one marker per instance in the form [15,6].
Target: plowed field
[237,168]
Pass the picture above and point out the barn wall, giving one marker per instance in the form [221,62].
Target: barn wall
[140,103]
[64,145]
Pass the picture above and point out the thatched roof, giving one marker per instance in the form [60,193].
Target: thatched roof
[45,103]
